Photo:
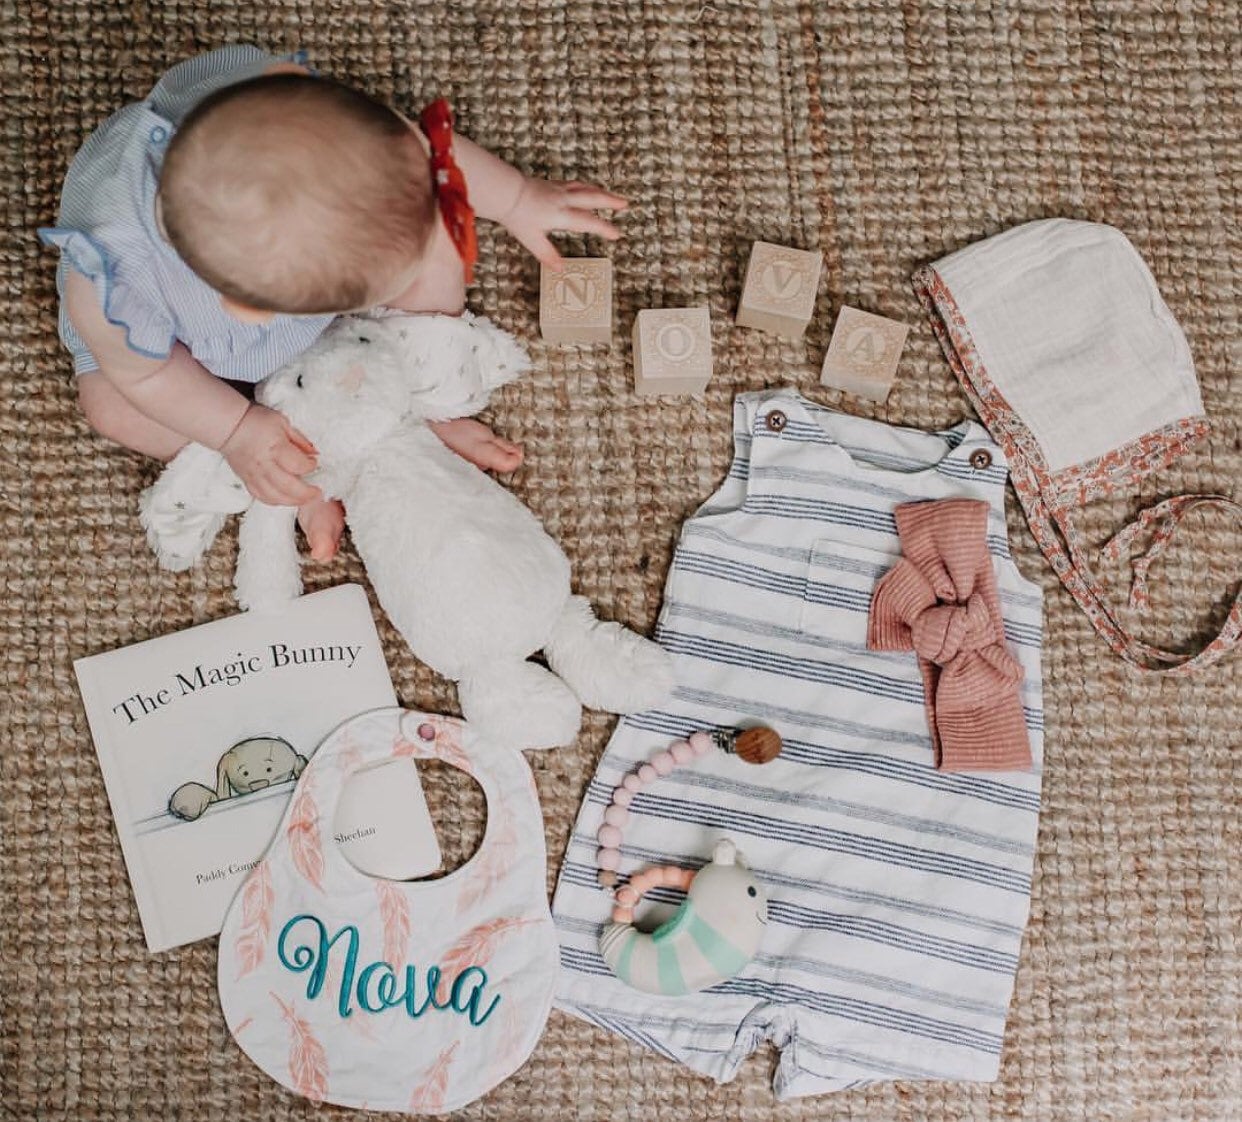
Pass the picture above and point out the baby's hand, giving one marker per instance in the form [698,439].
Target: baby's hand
[270,456]
[543,206]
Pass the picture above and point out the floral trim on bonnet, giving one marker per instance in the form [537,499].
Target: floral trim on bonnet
[1049,497]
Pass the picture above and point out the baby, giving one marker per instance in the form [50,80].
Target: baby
[209,234]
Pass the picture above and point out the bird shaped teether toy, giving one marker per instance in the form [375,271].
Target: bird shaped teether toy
[717,930]
[711,937]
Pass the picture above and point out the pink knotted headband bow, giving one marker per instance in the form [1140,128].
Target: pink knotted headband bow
[940,601]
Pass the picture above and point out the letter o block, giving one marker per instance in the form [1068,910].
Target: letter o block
[779,293]
[575,305]
[672,351]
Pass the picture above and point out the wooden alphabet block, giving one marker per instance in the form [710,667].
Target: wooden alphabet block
[575,305]
[863,354]
[779,293]
[672,350]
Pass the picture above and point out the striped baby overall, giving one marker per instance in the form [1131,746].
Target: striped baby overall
[897,893]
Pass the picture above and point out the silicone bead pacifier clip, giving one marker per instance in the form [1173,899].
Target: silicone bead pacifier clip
[716,931]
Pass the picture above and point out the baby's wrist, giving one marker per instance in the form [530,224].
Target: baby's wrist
[523,184]
[235,428]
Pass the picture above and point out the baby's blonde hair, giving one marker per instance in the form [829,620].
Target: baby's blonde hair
[295,194]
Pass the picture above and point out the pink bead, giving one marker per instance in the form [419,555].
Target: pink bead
[663,762]
[701,743]
[426,732]
[616,815]
[681,752]
[608,859]
[647,774]
[623,796]
[627,896]
[631,782]
[622,915]
[609,837]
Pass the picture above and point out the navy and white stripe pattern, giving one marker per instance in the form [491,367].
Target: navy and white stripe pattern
[898,893]
[107,231]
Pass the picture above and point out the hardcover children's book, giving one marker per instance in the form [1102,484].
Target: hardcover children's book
[202,735]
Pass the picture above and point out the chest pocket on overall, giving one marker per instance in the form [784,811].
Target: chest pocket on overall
[840,578]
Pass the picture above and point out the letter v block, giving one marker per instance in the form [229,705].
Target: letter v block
[575,305]
[779,293]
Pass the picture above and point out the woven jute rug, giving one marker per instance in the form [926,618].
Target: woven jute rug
[885,134]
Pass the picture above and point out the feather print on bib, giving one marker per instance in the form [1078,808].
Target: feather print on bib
[493,864]
[432,1085]
[308,1064]
[304,843]
[405,996]
[395,917]
[256,920]
[474,948]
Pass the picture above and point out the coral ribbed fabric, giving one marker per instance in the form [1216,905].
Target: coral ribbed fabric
[940,601]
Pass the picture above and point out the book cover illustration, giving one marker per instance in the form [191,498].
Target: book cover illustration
[202,735]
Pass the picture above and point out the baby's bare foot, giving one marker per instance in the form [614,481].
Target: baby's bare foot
[498,454]
[323,522]
[474,441]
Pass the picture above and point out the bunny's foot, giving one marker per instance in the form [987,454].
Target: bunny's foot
[520,704]
[608,666]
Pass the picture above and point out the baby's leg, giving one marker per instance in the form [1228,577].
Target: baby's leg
[112,417]
[323,522]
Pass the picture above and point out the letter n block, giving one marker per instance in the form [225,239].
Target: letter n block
[575,305]
[672,351]
[779,293]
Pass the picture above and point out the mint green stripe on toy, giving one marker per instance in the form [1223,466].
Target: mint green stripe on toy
[722,954]
[712,936]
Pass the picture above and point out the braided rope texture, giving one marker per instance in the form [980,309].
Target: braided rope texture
[885,134]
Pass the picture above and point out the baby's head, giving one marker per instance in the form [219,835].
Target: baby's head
[288,193]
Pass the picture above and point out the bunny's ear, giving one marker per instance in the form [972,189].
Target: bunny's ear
[224,789]
[725,853]
[498,355]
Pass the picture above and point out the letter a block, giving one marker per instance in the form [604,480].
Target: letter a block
[779,293]
[863,354]
[575,305]
[672,350]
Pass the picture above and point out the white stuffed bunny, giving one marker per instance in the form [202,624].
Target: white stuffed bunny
[468,575]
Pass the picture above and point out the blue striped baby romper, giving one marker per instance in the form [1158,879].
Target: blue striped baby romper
[107,231]
[897,893]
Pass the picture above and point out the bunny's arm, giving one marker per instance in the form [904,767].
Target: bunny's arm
[268,576]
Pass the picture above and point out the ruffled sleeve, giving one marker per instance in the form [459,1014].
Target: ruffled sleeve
[149,328]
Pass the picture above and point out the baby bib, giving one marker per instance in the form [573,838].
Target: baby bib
[388,995]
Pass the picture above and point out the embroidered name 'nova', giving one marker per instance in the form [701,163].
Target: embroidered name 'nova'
[377,987]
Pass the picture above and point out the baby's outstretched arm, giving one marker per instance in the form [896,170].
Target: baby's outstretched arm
[531,208]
